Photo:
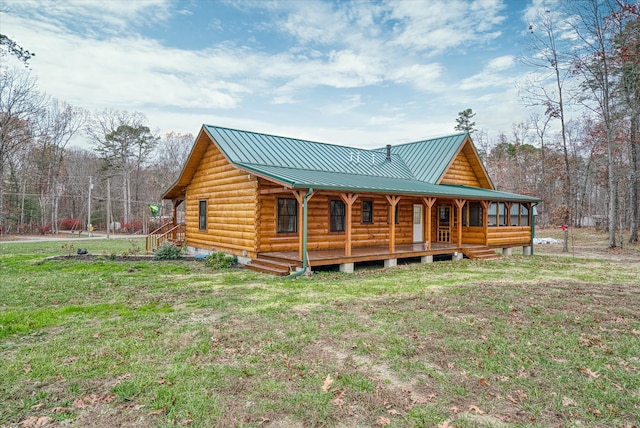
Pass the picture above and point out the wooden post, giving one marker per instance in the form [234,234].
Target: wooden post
[299,195]
[428,202]
[485,220]
[393,201]
[348,199]
[459,204]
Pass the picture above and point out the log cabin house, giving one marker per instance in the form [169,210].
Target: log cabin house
[284,204]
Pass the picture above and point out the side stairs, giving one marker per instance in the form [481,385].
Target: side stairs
[480,253]
[273,266]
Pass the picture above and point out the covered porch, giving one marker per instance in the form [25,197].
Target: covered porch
[284,262]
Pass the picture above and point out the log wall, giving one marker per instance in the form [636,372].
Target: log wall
[461,172]
[508,236]
[232,209]
[320,238]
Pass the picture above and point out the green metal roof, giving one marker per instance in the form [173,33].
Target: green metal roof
[414,168]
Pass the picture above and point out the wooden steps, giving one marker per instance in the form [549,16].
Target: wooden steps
[480,253]
[271,266]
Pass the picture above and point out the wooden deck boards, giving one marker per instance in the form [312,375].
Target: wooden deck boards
[362,254]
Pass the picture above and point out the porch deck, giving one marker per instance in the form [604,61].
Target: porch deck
[362,254]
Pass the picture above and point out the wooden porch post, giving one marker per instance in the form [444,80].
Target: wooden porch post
[393,201]
[299,195]
[485,220]
[428,202]
[348,199]
[459,204]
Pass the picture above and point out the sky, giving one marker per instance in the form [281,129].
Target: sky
[355,73]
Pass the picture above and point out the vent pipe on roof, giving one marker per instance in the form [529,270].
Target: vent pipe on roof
[388,152]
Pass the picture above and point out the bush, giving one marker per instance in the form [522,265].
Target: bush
[133,227]
[71,224]
[220,260]
[168,251]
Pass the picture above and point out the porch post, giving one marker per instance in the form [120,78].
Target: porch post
[393,201]
[428,202]
[299,195]
[459,204]
[348,199]
[485,220]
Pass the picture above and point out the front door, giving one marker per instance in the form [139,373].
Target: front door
[417,223]
[444,223]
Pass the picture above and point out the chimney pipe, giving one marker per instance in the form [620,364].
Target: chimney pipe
[388,152]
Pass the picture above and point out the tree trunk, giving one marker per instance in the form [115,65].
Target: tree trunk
[635,181]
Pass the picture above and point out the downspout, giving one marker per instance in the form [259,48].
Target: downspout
[304,236]
[533,224]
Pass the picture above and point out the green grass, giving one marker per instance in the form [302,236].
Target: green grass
[522,341]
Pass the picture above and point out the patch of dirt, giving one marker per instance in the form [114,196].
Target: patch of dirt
[588,243]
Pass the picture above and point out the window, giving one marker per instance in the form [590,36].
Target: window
[287,215]
[524,215]
[397,213]
[337,216]
[367,211]
[472,214]
[519,214]
[503,214]
[493,214]
[202,215]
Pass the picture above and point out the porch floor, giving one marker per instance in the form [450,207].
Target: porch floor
[363,254]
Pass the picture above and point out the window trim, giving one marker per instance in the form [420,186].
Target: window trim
[342,215]
[202,214]
[370,203]
[294,215]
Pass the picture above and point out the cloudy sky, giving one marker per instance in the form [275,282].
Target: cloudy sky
[360,73]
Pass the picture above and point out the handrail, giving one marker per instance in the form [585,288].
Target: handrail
[158,236]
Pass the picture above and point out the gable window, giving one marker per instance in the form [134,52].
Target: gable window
[337,216]
[202,215]
[287,215]
[367,211]
[472,214]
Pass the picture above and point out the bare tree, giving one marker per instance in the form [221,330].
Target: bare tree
[58,125]
[124,142]
[547,88]
[20,104]
[593,62]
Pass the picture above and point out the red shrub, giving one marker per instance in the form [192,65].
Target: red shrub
[71,224]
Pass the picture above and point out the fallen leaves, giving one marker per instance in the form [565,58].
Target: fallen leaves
[327,383]
[36,422]
[383,421]
[589,373]
[476,409]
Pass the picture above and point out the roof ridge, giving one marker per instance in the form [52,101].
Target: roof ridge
[288,138]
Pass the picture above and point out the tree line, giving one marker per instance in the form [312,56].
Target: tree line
[585,55]
[47,186]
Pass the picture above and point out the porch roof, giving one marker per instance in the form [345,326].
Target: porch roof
[360,183]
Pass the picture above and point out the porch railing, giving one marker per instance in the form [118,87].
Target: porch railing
[166,232]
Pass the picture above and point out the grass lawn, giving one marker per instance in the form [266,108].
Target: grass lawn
[518,342]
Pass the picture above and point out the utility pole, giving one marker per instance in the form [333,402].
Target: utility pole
[89,227]
[108,207]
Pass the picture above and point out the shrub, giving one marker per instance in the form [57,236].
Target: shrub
[71,224]
[168,251]
[220,260]
[133,227]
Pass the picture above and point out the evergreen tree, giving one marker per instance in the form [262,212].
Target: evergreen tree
[464,121]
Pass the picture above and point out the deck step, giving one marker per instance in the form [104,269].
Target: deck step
[480,253]
[273,267]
